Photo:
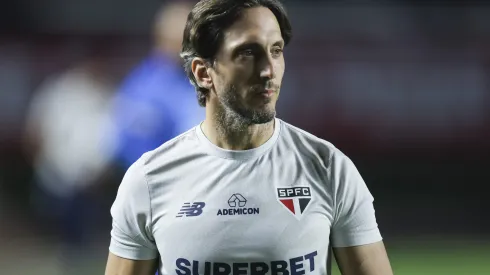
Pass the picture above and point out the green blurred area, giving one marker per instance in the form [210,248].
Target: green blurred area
[438,258]
[407,258]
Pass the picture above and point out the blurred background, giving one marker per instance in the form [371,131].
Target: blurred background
[402,87]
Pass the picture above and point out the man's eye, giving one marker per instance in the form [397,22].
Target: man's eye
[247,52]
[277,51]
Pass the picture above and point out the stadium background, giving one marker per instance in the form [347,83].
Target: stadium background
[402,87]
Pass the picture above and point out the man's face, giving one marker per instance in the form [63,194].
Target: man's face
[249,67]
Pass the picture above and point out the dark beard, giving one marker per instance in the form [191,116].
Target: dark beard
[234,109]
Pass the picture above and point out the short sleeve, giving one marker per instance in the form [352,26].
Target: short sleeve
[355,222]
[131,234]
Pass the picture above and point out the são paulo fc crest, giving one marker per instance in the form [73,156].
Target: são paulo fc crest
[294,199]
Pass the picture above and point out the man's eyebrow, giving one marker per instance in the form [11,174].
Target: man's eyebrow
[246,45]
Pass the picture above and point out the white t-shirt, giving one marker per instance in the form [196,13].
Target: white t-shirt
[276,209]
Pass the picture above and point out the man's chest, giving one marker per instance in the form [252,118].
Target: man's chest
[229,215]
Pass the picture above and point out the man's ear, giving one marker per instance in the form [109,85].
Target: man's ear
[201,74]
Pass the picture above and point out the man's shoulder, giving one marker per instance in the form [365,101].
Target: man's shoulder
[306,141]
[174,149]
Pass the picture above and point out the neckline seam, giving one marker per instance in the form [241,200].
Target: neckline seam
[215,151]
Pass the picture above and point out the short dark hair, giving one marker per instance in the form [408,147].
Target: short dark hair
[206,24]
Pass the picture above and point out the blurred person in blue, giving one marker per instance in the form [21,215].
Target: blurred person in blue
[156,101]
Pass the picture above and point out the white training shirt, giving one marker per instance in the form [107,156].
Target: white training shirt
[276,209]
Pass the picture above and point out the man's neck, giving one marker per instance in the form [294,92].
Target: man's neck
[232,135]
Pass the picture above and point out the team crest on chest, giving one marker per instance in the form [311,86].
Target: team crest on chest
[294,199]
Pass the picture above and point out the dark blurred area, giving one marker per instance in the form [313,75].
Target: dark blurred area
[402,87]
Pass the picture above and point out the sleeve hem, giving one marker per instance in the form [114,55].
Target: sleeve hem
[357,240]
[132,253]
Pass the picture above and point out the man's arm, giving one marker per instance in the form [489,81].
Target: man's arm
[370,259]
[132,248]
[356,239]
[121,266]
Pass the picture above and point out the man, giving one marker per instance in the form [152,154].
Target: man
[156,101]
[244,192]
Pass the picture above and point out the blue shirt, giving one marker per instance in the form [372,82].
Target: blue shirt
[155,103]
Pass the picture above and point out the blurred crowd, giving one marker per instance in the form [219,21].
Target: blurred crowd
[85,125]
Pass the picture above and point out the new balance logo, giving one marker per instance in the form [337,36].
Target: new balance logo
[191,210]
